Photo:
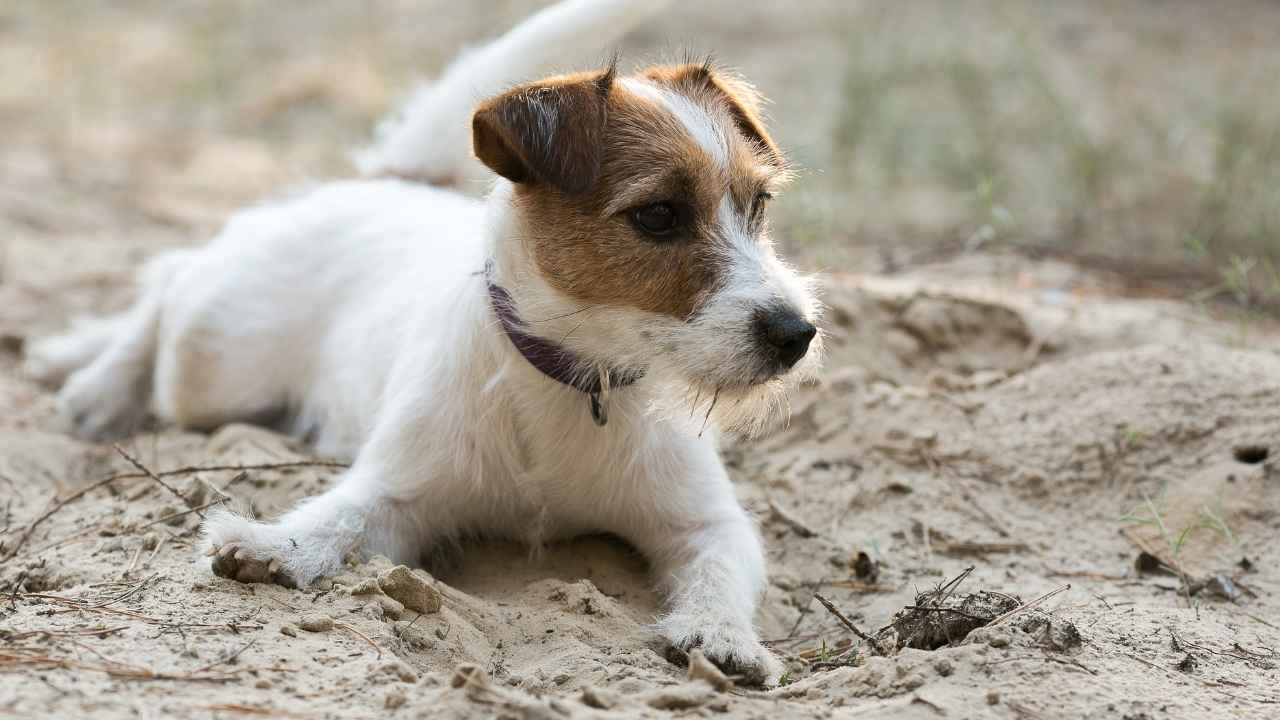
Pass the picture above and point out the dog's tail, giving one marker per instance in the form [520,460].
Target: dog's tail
[430,139]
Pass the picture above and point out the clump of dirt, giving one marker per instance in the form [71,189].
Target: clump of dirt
[1049,632]
[932,622]
[946,617]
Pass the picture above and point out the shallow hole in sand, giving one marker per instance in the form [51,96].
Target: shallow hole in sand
[1251,454]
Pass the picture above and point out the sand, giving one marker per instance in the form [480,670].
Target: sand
[1016,417]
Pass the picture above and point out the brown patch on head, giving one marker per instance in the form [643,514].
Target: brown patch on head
[737,96]
[611,151]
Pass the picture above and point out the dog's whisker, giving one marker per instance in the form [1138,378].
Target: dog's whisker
[574,329]
[564,315]
[710,408]
[693,406]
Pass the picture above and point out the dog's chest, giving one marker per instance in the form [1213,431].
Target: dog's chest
[573,475]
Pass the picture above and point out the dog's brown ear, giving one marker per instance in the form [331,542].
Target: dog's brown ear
[548,132]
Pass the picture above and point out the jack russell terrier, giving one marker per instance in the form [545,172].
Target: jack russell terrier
[554,360]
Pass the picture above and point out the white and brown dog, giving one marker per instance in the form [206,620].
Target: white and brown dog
[552,361]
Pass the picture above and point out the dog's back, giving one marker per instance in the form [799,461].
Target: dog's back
[297,261]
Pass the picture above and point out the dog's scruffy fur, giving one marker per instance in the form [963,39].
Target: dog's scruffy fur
[362,311]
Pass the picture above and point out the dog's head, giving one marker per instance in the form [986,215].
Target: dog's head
[641,208]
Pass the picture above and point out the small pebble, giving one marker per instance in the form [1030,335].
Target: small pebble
[700,668]
[290,630]
[316,623]
[469,675]
[197,492]
[366,587]
[395,699]
[263,684]
[993,697]
[998,640]
[599,698]
[679,697]
[165,511]
[400,670]
[411,589]
[391,608]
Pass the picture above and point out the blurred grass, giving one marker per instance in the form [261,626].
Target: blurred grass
[1141,131]
[1146,132]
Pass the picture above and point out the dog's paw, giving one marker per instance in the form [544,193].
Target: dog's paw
[50,360]
[243,564]
[96,410]
[733,648]
[253,552]
[41,364]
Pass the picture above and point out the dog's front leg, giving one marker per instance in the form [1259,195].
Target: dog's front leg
[311,540]
[715,574]
[709,557]
[375,508]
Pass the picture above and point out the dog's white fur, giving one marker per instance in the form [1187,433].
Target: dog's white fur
[362,309]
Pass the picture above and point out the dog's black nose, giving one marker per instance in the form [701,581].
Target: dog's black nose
[785,331]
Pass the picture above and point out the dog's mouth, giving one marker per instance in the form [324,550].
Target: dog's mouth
[740,380]
[718,370]
[746,400]
[756,366]
[774,373]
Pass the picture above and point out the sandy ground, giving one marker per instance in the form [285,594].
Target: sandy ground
[1027,418]
[1024,421]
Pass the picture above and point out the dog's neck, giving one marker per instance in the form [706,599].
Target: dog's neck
[553,359]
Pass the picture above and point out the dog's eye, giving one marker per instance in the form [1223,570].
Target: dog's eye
[659,219]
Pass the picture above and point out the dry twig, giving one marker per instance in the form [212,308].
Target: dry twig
[26,535]
[172,516]
[360,635]
[190,469]
[53,510]
[1030,604]
[154,477]
[831,608]
[791,521]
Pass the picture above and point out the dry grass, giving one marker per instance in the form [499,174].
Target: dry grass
[1136,130]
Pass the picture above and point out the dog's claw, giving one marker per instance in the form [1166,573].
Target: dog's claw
[236,562]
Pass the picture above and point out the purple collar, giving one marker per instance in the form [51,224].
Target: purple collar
[554,361]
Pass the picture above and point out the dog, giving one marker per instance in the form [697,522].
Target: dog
[556,359]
